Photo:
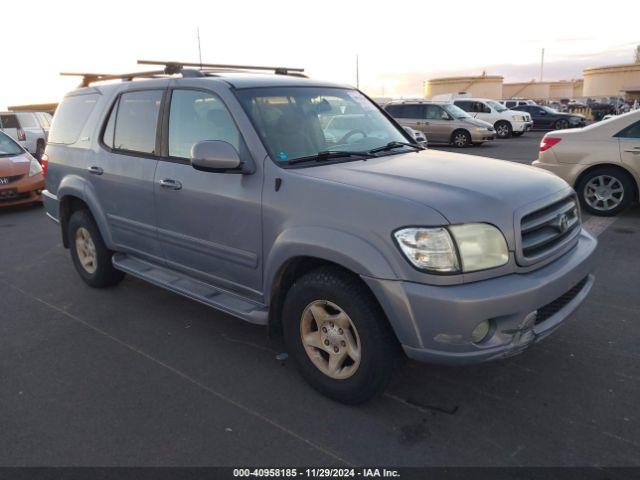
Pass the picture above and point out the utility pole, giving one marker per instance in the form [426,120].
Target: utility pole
[357,72]
[542,65]
[199,48]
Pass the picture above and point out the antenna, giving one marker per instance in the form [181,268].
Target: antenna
[357,72]
[199,47]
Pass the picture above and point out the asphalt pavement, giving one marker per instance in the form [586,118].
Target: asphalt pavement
[135,375]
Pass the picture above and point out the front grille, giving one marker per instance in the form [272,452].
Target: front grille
[12,198]
[548,229]
[554,307]
[8,180]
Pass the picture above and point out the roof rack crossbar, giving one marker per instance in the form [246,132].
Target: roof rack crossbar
[221,66]
[89,78]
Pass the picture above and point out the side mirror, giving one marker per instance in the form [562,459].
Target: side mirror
[215,156]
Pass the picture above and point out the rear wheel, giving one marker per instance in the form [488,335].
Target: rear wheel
[91,257]
[338,336]
[503,129]
[605,191]
[460,138]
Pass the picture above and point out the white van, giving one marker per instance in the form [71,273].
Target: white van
[506,122]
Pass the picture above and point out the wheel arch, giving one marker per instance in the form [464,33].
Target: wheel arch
[461,129]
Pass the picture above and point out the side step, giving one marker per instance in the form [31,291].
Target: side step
[179,283]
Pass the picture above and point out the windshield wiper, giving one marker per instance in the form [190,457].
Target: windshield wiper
[392,145]
[330,154]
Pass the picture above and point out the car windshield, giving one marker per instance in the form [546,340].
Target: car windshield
[454,111]
[549,109]
[498,107]
[8,147]
[302,122]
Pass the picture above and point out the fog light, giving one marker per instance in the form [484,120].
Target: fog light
[480,332]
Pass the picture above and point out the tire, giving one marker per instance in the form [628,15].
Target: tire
[503,129]
[606,191]
[330,299]
[460,138]
[39,150]
[99,272]
[517,134]
[478,144]
[561,125]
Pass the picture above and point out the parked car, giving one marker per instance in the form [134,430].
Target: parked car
[30,129]
[441,122]
[418,135]
[223,188]
[550,119]
[21,177]
[506,122]
[516,102]
[602,162]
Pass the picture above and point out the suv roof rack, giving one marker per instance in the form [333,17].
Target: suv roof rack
[177,68]
[218,67]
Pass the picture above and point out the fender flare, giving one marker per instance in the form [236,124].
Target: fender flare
[76,186]
[336,246]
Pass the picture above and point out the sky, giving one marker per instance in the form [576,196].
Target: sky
[399,44]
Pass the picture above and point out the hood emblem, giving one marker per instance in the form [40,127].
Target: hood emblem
[563,222]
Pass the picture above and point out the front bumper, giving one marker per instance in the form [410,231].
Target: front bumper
[482,135]
[27,190]
[434,323]
[521,126]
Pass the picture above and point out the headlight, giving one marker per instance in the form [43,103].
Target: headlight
[518,118]
[34,167]
[428,248]
[480,246]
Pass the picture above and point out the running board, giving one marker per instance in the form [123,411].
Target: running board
[182,284]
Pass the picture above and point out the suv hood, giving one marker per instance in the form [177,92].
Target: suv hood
[476,122]
[462,188]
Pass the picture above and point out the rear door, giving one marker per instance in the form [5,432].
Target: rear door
[629,139]
[408,115]
[209,223]
[123,173]
[32,129]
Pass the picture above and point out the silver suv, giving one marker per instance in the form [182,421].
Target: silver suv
[241,192]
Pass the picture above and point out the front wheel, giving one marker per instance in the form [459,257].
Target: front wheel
[561,125]
[605,191]
[90,256]
[503,129]
[338,336]
[461,138]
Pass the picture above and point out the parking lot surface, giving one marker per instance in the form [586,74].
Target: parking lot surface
[135,375]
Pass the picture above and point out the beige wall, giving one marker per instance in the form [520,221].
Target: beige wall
[609,81]
[558,90]
[533,90]
[483,87]
[578,86]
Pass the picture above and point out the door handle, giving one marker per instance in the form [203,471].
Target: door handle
[95,170]
[635,150]
[170,184]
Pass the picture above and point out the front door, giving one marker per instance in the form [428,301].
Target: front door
[122,175]
[209,224]
[438,124]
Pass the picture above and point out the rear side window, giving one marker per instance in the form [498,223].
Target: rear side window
[27,120]
[413,111]
[71,116]
[632,131]
[136,121]
[464,105]
[394,110]
[9,121]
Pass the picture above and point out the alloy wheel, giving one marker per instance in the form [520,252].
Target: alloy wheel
[86,250]
[604,193]
[330,339]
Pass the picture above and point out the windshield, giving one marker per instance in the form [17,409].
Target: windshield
[8,147]
[498,107]
[454,111]
[549,109]
[297,122]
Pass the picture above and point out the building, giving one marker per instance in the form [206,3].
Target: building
[613,81]
[483,86]
[543,90]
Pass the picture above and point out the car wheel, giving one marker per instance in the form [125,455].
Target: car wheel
[338,336]
[605,191]
[561,125]
[503,129]
[517,134]
[91,257]
[460,138]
